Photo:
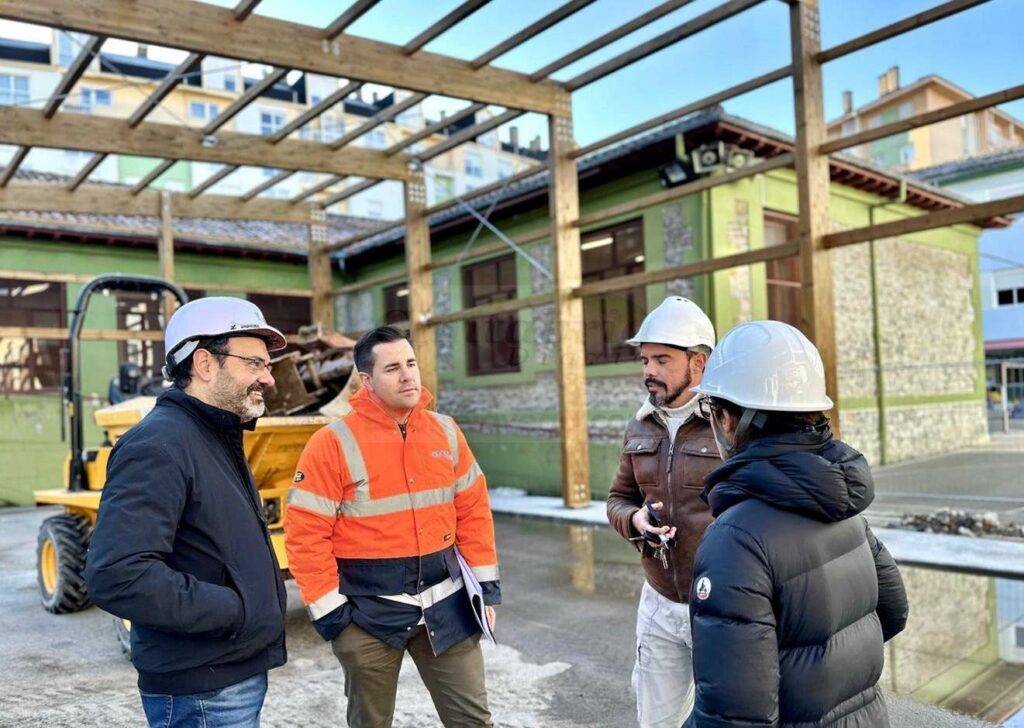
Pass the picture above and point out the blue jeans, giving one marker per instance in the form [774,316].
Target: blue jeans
[236,706]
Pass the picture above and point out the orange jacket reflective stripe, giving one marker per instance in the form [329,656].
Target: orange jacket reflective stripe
[362,491]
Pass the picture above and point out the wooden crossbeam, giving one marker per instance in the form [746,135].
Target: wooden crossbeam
[705,183]
[244,8]
[382,280]
[92,133]
[48,332]
[555,16]
[250,95]
[492,309]
[468,134]
[354,12]
[977,213]
[685,30]
[151,176]
[892,30]
[386,114]
[101,199]
[170,82]
[487,189]
[86,170]
[434,128]
[67,82]
[268,183]
[443,25]
[314,111]
[687,270]
[704,103]
[32,275]
[212,180]
[608,38]
[349,191]
[380,230]
[206,28]
[485,250]
[929,117]
[318,187]
[12,166]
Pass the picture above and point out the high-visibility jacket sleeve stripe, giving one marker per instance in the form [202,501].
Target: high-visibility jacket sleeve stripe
[450,431]
[326,604]
[397,503]
[300,498]
[309,525]
[486,573]
[474,531]
[469,479]
[353,459]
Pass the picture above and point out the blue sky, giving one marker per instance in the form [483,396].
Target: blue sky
[979,49]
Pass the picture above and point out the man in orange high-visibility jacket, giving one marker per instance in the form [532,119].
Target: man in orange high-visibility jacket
[380,502]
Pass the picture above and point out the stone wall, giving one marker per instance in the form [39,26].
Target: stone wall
[678,243]
[354,311]
[444,335]
[929,429]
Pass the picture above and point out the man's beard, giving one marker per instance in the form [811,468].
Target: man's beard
[659,400]
[231,396]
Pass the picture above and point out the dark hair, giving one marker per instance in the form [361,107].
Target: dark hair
[181,375]
[364,347]
[775,423]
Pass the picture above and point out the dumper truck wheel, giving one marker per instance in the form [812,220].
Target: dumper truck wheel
[123,630]
[60,560]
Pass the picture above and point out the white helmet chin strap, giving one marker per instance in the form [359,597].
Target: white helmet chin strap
[750,417]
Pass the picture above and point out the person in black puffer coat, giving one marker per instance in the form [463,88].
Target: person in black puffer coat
[792,595]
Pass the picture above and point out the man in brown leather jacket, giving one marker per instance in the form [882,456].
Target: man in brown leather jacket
[667,451]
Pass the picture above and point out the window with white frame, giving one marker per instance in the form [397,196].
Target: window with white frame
[331,128]
[271,122]
[474,164]
[504,168]
[1009,296]
[374,209]
[68,46]
[488,139]
[13,89]
[229,82]
[91,98]
[376,139]
[203,111]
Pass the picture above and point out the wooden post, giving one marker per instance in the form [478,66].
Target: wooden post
[571,378]
[321,303]
[421,289]
[165,254]
[817,306]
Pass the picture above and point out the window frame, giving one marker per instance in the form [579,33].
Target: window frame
[499,356]
[42,360]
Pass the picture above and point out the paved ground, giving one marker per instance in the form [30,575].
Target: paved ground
[566,631]
[983,479]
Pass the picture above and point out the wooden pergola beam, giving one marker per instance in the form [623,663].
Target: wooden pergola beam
[708,101]
[610,37]
[213,179]
[434,128]
[487,189]
[250,95]
[28,127]
[314,111]
[421,290]
[152,175]
[207,29]
[318,187]
[67,82]
[680,32]
[539,26]
[364,284]
[929,117]
[468,134]
[267,184]
[349,191]
[103,199]
[492,309]
[443,25]
[690,188]
[968,214]
[12,166]
[385,114]
[244,8]
[170,82]
[919,20]
[87,169]
[354,12]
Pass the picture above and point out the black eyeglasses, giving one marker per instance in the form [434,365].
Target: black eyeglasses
[707,407]
[253,363]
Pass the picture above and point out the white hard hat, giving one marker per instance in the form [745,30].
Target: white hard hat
[209,318]
[769,366]
[678,322]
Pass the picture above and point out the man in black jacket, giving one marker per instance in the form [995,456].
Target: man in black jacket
[181,547]
[792,595]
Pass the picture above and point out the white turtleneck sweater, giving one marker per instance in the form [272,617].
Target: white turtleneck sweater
[674,418]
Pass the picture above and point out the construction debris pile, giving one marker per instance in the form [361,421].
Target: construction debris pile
[316,378]
[960,523]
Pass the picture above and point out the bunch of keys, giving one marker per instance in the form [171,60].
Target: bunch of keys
[659,542]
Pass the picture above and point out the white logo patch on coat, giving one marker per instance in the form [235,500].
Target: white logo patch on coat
[441,454]
[703,588]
